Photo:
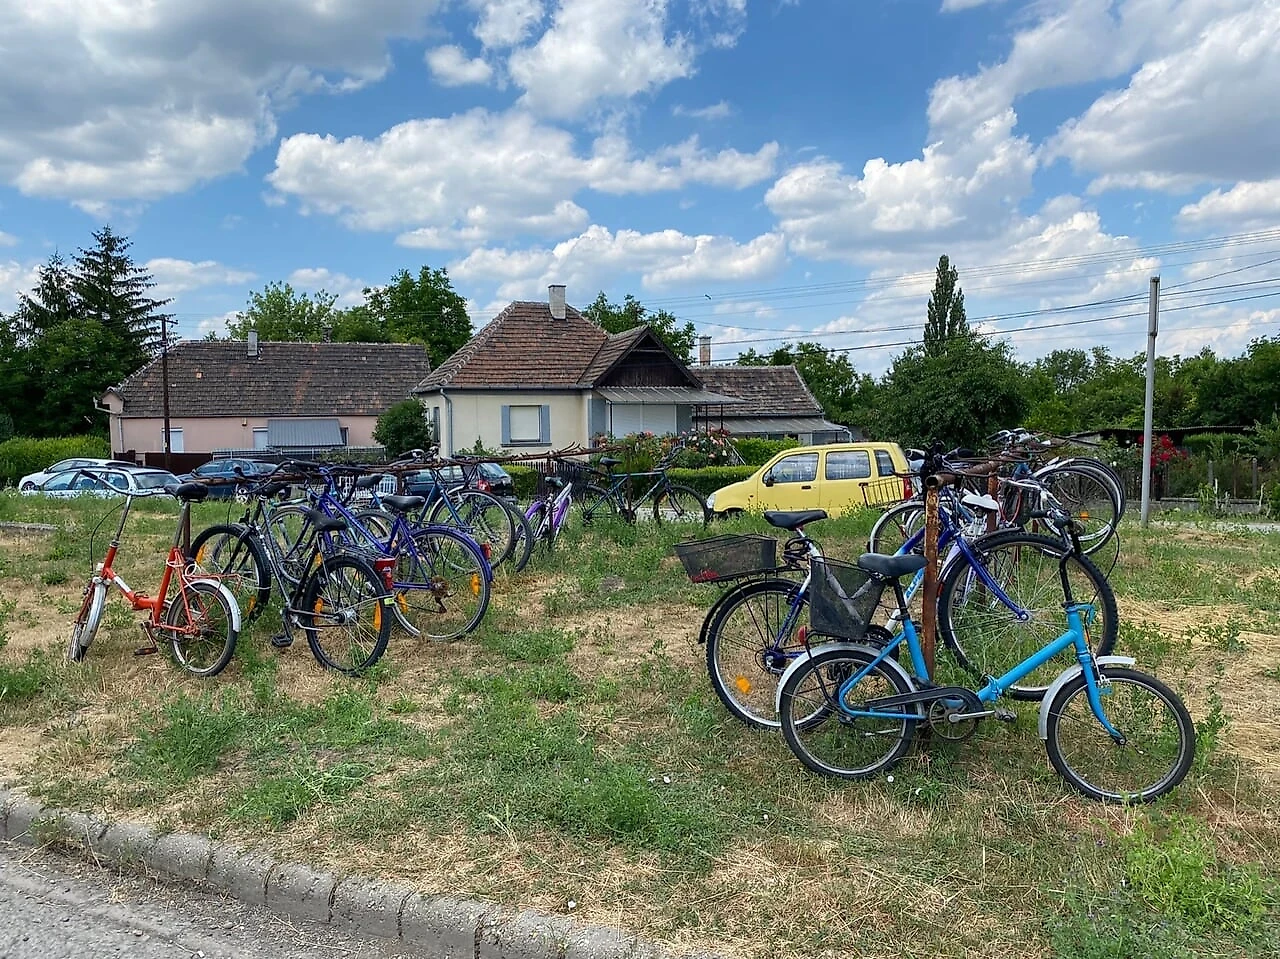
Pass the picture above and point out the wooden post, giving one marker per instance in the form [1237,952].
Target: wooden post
[993,490]
[929,616]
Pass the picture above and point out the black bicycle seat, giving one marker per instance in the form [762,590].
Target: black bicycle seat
[556,481]
[794,519]
[402,504]
[191,492]
[324,523]
[607,461]
[368,482]
[891,567]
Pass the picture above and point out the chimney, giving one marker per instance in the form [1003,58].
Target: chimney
[555,297]
[253,344]
[704,351]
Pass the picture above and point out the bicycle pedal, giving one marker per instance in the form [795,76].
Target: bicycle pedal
[146,650]
[1005,715]
[282,641]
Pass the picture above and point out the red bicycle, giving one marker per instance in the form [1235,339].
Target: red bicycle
[200,624]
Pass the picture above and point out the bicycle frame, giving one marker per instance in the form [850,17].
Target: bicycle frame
[557,510]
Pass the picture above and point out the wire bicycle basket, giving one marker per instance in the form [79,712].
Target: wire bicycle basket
[842,599]
[727,557]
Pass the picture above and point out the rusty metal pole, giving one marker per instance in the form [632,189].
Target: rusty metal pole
[929,617]
[993,490]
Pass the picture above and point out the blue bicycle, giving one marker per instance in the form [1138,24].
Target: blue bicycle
[851,709]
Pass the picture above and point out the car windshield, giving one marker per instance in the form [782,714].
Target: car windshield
[156,480]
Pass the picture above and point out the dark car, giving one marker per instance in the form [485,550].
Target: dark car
[489,477]
[226,469]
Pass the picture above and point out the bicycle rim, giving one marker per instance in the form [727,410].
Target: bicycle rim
[442,585]
[748,649]
[344,615]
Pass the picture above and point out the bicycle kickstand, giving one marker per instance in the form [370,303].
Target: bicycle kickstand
[284,639]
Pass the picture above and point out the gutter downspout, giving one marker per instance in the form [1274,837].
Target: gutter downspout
[448,416]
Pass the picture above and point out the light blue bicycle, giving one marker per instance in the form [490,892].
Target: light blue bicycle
[849,709]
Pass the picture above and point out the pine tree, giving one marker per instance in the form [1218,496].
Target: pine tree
[111,289]
[53,301]
[946,310]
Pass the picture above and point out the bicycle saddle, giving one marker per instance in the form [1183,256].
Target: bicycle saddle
[793,520]
[891,567]
[368,482]
[324,523]
[402,504]
[609,461]
[190,492]
[556,481]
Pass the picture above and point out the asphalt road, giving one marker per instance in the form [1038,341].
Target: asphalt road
[53,907]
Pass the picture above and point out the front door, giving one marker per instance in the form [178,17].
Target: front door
[794,483]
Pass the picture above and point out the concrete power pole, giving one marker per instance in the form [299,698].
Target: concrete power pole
[1153,324]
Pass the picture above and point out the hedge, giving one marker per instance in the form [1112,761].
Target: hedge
[710,478]
[23,454]
[757,452]
[525,479]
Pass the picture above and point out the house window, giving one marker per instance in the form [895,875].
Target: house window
[852,464]
[526,425]
[801,468]
[260,438]
[175,439]
[343,431]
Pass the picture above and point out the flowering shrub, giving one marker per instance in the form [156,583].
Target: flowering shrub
[690,450]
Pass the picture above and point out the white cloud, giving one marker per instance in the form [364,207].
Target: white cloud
[504,23]
[1194,115]
[596,257]
[16,278]
[350,292]
[452,68]
[716,111]
[8,239]
[457,181]
[123,101]
[1244,206]
[174,276]
[951,6]
[599,49]
[967,187]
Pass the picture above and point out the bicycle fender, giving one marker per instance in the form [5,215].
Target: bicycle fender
[888,662]
[1064,677]
[230,597]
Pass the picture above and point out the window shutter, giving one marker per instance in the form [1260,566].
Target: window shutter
[506,425]
[544,424]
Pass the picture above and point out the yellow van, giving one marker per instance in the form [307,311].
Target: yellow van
[838,477]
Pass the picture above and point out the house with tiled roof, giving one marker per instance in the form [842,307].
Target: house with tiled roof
[238,395]
[773,402]
[542,376]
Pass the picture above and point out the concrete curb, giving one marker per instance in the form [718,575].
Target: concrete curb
[445,926]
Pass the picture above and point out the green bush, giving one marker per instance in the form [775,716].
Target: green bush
[757,452]
[525,479]
[22,454]
[706,481]
[1273,500]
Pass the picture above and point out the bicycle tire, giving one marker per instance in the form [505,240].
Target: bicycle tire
[539,520]
[481,516]
[216,636]
[85,627]
[346,593]
[232,553]
[1091,499]
[827,741]
[376,521]
[895,526]
[680,504]
[522,545]
[289,527]
[1171,744]
[985,636]
[746,651]
[593,501]
[442,564]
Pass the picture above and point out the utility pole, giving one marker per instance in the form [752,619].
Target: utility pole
[164,376]
[1153,324]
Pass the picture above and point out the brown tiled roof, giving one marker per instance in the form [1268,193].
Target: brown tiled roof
[764,390]
[219,378]
[611,350]
[523,346]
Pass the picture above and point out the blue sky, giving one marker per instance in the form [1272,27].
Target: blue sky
[769,169]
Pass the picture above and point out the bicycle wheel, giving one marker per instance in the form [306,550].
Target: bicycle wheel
[988,638]
[752,640]
[1159,738]
[681,504]
[1089,496]
[481,516]
[231,553]
[814,711]
[87,621]
[442,584]
[592,503]
[895,526]
[290,532]
[522,545]
[202,636]
[343,614]
[376,521]
[539,517]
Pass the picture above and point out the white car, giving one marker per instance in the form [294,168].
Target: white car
[32,480]
[104,481]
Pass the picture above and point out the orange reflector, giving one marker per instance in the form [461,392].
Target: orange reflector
[475,584]
[743,684]
[1084,514]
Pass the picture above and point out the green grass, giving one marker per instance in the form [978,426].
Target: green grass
[576,728]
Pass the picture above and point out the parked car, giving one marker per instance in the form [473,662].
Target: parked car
[837,478]
[490,477]
[104,481]
[225,469]
[32,480]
